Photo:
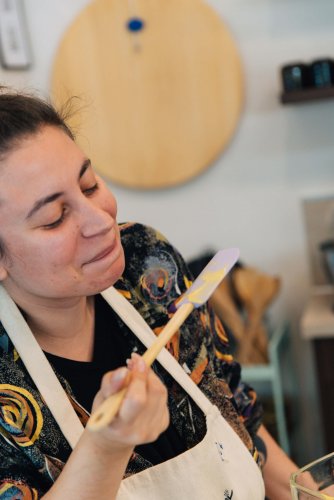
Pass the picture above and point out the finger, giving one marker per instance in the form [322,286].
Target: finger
[153,408]
[136,363]
[158,399]
[136,395]
[113,381]
[156,386]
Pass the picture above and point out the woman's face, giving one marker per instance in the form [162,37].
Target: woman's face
[57,221]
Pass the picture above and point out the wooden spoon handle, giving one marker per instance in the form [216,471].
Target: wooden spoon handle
[167,333]
[106,411]
[110,406]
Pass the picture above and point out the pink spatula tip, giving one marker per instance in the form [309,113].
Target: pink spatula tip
[208,280]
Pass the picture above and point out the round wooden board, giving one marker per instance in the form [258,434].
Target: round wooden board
[157,106]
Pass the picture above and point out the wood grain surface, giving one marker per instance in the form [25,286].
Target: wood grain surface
[159,106]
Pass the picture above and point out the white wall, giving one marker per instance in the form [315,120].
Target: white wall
[251,197]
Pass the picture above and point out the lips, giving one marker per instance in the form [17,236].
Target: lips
[102,254]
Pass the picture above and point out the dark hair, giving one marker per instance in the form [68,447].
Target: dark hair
[24,114]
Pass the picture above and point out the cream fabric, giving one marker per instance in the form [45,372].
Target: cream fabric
[218,468]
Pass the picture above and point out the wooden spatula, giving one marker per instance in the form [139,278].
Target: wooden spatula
[196,295]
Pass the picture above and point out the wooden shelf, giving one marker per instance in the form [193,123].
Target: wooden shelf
[295,96]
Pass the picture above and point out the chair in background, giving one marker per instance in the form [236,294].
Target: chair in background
[271,373]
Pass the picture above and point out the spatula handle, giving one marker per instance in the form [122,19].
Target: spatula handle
[106,411]
[167,333]
[110,406]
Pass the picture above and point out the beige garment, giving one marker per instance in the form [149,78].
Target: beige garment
[220,467]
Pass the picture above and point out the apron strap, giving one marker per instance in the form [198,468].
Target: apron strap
[141,329]
[39,368]
[46,380]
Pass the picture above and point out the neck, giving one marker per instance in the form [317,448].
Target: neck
[63,328]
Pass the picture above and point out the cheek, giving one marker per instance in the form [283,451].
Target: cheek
[16,251]
[60,247]
[58,253]
[46,252]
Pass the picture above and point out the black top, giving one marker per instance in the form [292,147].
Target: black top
[110,352]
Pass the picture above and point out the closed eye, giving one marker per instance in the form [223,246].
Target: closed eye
[57,222]
[91,190]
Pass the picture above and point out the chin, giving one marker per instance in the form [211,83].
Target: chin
[109,277]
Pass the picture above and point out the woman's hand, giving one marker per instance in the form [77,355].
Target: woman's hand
[143,414]
[104,455]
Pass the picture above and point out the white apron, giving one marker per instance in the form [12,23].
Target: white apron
[220,467]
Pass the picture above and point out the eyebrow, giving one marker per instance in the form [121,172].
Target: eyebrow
[52,197]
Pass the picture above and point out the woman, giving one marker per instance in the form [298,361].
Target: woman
[60,247]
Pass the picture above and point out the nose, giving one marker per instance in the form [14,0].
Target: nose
[95,221]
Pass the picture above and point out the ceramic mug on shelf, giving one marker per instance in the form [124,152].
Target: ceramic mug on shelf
[296,76]
[322,73]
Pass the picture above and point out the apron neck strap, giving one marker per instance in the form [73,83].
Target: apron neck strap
[140,328]
[46,380]
[39,368]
